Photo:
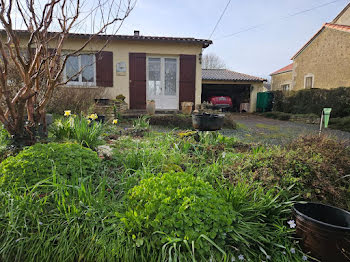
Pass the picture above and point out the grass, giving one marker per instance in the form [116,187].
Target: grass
[80,218]
[268,127]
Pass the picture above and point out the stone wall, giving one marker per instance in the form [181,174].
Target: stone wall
[281,79]
[327,58]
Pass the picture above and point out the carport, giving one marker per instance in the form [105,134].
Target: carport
[242,88]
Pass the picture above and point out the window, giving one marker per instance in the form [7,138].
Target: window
[85,65]
[162,76]
[309,81]
[285,87]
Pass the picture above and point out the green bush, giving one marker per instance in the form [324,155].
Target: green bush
[86,132]
[341,123]
[36,163]
[312,101]
[4,139]
[176,120]
[314,168]
[179,206]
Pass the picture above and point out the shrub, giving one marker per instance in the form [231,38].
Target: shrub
[4,141]
[86,132]
[178,205]
[36,163]
[313,101]
[341,123]
[176,121]
[76,99]
[316,169]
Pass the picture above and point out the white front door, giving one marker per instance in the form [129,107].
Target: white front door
[162,82]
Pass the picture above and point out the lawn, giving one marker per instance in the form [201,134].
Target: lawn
[162,196]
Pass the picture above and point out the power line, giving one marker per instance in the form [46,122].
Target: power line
[281,18]
[217,23]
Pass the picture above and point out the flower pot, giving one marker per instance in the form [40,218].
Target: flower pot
[207,122]
[186,107]
[151,107]
[324,231]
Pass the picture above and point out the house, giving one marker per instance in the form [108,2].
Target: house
[323,62]
[242,88]
[164,69]
[282,78]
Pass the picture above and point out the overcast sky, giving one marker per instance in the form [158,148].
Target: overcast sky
[259,51]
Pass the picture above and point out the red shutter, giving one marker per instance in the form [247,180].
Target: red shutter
[137,83]
[104,69]
[187,78]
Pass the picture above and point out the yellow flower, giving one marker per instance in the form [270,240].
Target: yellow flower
[67,113]
[115,121]
[133,236]
[89,121]
[93,116]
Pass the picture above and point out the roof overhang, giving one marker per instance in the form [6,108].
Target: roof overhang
[189,40]
[230,82]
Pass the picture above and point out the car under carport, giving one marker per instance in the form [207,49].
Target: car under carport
[241,88]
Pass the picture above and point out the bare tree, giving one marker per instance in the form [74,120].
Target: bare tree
[36,52]
[212,61]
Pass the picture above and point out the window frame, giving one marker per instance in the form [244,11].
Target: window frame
[312,83]
[80,75]
[286,84]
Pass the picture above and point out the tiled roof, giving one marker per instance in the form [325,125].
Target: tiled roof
[283,70]
[344,28]
[224,74]
[203,42]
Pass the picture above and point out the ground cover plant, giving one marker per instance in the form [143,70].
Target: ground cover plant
[175,196]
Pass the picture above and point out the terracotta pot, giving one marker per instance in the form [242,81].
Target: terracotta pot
[186,108]
[151,107]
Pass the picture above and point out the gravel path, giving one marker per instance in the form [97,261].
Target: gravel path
[258,129]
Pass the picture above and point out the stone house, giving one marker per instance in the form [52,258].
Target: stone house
[323,62]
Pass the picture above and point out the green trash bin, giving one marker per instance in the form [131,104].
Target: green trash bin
[264,101]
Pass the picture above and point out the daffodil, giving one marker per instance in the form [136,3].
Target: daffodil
[115,121]
[67,113]
[93,116]
[89,121]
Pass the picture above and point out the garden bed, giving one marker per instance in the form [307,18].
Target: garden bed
[175,196]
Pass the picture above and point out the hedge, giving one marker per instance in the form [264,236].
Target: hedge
[312,101]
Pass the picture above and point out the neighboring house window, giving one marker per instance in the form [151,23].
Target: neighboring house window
[309,82]
[81,70]
[285,87]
